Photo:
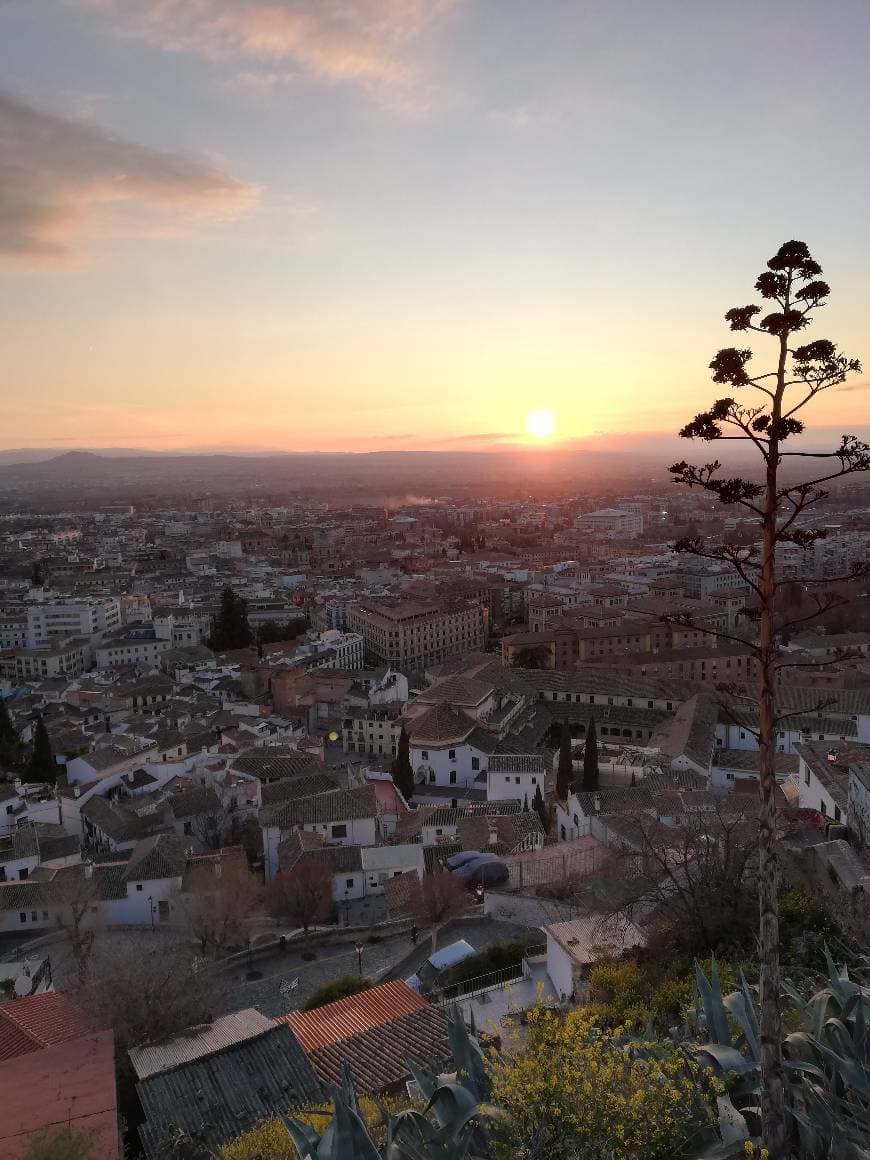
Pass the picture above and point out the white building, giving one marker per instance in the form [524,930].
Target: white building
[611,523]
[84,617]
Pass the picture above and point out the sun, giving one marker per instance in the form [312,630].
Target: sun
[541,424]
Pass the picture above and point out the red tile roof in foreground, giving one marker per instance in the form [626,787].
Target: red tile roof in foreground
[38,1021]
[352,1015]
[70,1084]
[378,1058]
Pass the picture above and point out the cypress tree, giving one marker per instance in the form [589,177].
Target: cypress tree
[540,808]
[41,767]
[8,735]
[403,774]
[232,629]
[10,743]
[565,774]
[590,758]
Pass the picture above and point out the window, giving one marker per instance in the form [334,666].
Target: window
[23,873]
[807,776]
[188,828]
[516,780]
[475,763]
[22,917]
[451,754]
[348,882]
[431,776]
[339,830]
[822,808]
[453,777]
[138,885]
[33,916]
[424,754]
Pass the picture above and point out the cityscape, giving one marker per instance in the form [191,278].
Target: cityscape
[416,741]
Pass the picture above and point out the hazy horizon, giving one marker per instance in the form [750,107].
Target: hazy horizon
[311,225]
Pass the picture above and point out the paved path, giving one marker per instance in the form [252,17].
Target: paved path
[340,959]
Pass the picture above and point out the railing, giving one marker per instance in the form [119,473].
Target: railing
[491,981]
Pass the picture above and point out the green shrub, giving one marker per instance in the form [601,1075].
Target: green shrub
[497,957]
[336,989]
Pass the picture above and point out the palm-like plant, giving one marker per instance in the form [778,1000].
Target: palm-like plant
[451,1126]
[827,1063]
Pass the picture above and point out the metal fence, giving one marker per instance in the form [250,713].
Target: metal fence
[491,981]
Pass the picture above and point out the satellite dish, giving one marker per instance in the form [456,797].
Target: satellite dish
[23,985]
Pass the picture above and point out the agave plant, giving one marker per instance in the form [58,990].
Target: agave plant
[451,1126]
[827,1061]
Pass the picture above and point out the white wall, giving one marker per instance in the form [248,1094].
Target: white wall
[439,760]
[560,967]
[504,786]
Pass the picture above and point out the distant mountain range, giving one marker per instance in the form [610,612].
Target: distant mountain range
[611,462]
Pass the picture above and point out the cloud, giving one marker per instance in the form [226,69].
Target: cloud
[864,385]
[55,173]
[371,43]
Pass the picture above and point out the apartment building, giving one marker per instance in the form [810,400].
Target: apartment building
[410,635]
[87,617]
[613,523]
[69,659]
[373,730]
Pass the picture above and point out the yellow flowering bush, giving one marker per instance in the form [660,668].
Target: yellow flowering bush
[270,1141]
[575,1090]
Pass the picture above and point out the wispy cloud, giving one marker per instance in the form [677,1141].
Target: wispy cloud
[55,173]
[371,43]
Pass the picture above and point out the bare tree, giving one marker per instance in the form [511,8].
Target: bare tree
[302,896]
[436,898]
[211,829]
[217,902]
[791,283]
[74,896]
[699,876]
[150,991]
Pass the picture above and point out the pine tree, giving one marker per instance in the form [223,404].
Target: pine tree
[403,774]
[565,774]
[41,767]
[590,759]
[540,808]
[231,628]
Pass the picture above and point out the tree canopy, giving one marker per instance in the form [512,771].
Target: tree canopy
[231,627]
[41,766]
[402,770]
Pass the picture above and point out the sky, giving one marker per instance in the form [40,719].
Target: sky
[382,224]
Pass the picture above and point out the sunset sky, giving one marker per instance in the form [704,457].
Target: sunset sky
[374,224]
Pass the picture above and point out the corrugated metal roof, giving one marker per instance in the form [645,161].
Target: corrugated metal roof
[353,1014]
[228,1031]
[224,1095]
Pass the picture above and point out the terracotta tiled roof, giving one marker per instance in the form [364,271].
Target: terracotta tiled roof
[353,1014]
[70,1083]
[343,805]
[439,725]
[38,1021]
[378,1058]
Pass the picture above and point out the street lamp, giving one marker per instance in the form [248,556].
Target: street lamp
[359,952]
[151,908]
